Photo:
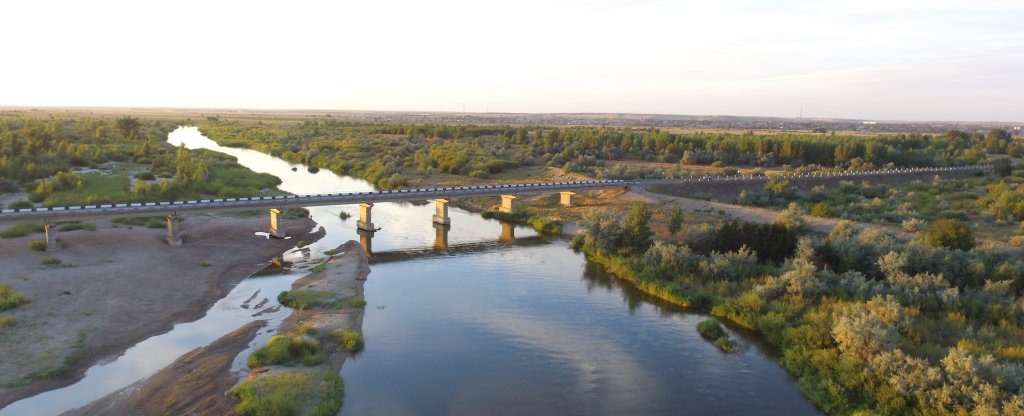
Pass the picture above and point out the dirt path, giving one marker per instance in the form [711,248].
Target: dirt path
[115,287]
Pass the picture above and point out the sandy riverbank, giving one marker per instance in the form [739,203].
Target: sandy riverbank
[115,287]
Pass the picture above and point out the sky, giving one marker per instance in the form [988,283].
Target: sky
[861,59]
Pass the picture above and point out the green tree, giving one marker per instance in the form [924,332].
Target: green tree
[1002,167]
[775,187]
[675,221]
[128,126]
[636,230]
[950,233]
[821,209]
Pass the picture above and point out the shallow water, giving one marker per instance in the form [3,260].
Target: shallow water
[486,327]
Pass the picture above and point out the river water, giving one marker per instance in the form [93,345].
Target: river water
[488,326]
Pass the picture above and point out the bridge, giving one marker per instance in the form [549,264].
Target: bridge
[50,216]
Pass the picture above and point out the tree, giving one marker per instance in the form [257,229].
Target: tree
[1002,167]
[675,221]
[950,233]
[129,126]
[775,187]
[636,230]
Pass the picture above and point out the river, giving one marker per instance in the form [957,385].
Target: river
[487,327]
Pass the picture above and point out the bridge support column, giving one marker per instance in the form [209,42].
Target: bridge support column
[441,217]
[508,203]
[441,236]
[566,198]
[508,232]
[51,236]
[275,223]
[366,240]
[173,234]
[365,221]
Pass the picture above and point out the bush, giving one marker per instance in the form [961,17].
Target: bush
[288,393]
[9,299]
[774,242]
[77,225]
[949,233]
[21,230]
[712,330]
[351,341]
[821,209]
[51,261]
[21,204]
[288,351]
[146,176]
[37,245]
[308,298]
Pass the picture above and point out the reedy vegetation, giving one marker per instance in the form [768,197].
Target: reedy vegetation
[869,324]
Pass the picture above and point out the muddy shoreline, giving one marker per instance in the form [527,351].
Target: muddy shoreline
[117,286]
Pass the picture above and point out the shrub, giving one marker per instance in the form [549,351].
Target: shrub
[146,176]
[351,341]
[21,204]
[949,233]
[307,298]
[344,215]
[21,230]
[37,245]
[712,330]
[51,261]
[7,321]
[288,351]
[77,225]
[821,209]
[9,299]
[289,393]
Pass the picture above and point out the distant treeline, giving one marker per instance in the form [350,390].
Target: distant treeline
[387,153]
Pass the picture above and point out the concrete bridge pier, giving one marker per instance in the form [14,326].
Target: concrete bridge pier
[51,236]
[276,230]
[508,203]
[366,240]
[508,232]
[566,198]
[441,236]
[173,233]
[441,217]
[365,221]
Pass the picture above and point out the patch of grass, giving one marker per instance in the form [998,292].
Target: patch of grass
[357,302]
[351,341]
[149,222]
[307,298]
[37,245]
[51,261]
[95,189]
[6,322]
[712,330]
[205,263]
[289,393]
[77,225]
[331,252]
[288,351]
[320,268]
[9,299]
[21,230]
[295,213]
[301,243]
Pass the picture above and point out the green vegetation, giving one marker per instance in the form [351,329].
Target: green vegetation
[949,233]
[51,261]
[712,330]
[344,215]
[868,323]
[205,263]
[77,225]
[148,222]
[37,245]
[320,268]
[387,155]
[357,302]
[289,351]
[7,322]
[543,226]
[9,299]
[290,394]
[88,160]
[351,341]
[309,298]
[21,230]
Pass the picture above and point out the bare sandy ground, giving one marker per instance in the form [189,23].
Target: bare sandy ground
[118,286]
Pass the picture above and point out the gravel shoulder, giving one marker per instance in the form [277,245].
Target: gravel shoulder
[117,286]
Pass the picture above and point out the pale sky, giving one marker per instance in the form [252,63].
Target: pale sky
[872,59]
